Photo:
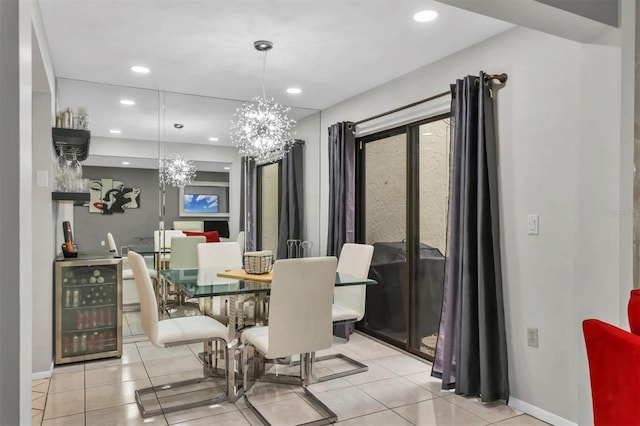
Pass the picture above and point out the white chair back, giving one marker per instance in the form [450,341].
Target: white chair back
[148,303]
[223,255]
[300,306]
[184,252]
[112,243]
[355,259]
[240,240]
[161,241]
[189,225]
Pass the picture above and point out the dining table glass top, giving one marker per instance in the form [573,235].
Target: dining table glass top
[205,282]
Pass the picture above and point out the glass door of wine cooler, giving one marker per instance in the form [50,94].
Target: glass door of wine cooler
[88,309]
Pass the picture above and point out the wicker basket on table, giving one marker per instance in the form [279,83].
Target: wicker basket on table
[258,262]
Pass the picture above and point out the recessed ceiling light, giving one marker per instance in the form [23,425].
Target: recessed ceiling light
[125,163]
[294,90]
[425,16]
[140,69]
[427,134]
[227,168]
[115,132]
[213,139]
[127,102]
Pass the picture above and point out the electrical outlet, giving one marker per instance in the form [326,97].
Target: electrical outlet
[532,337]
[102,243]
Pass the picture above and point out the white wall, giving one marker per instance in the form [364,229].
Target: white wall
[560,156]
[44,222]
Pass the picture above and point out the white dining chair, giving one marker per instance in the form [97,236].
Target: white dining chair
[173,332]
[130,296]
[299,321]
[220,255]
[162,245]
[184,252]
[349,302]
[184,255]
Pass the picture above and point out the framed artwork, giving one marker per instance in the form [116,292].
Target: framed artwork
[107,196]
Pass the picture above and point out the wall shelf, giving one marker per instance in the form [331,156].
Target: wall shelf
[78,198]
[70,141]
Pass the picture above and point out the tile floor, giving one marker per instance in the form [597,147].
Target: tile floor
[397,390]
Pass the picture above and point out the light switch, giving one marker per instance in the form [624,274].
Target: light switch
[533,224]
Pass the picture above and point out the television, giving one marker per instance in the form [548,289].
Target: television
[200,203]
[204,199]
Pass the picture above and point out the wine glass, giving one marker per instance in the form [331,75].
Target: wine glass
[61,172]
[74,173]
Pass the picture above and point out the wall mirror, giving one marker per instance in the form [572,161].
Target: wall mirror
[127,144]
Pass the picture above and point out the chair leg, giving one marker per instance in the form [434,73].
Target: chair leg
[144,412]
[328,416]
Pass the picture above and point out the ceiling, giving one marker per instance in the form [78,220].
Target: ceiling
[331,49]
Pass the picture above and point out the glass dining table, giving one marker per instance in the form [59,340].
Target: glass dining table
[231,284]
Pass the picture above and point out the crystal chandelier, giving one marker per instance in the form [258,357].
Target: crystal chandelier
[261,129]
[176,169]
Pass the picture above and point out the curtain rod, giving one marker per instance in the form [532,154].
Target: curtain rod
[502,78]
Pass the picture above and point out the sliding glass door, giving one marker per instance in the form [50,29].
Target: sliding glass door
[402,210]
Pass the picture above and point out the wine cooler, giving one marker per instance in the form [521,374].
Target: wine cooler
[88,308]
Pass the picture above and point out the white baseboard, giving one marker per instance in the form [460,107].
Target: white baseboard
[539,413]
[42,374]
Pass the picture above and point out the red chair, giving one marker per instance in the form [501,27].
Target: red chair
[614,368]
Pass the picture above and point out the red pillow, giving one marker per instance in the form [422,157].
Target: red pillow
[633,310]
[211,236]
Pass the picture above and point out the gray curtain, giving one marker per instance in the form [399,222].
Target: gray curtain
[471,352]
[291,197]
[342,161]
[248,198]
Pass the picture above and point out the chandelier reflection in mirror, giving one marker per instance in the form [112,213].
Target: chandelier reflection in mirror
[261,129]
[176,169]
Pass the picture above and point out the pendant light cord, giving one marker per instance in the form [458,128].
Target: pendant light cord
[264,68]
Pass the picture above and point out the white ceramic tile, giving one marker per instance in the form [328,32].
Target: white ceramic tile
[114,374]
[396,392]
[40,386]
[37,382]
[148,353]
[267,393]
[438,412]
[251,417]
[164,366]
[491,412]
[122,415]
[67,382]
[432,384]
[74,420]
[201,412]
[403,365]
[114,394]
[64,404]
[521,420]
[68,368]
[375,372]
[36,417]
[289,412]
[382,418]
[373,350]
[349,402]
[130,355]
[234,418]
[39,402]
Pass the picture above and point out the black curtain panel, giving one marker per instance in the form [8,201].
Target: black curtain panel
[471,352]
[291,197]
[248,202]
[342,161]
